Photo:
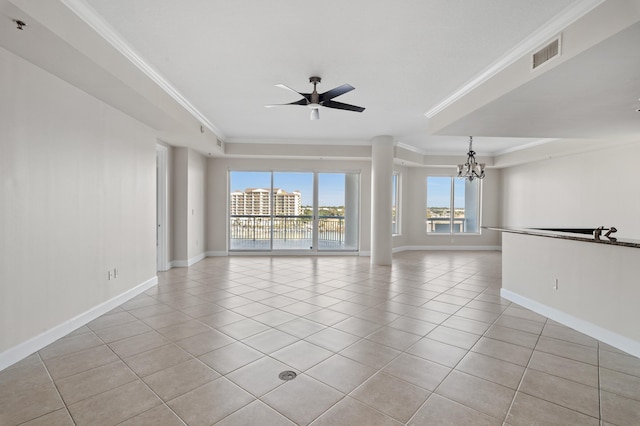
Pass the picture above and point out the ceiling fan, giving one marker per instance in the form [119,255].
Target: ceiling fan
[315,100]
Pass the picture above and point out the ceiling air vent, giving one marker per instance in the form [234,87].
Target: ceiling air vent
[548,52]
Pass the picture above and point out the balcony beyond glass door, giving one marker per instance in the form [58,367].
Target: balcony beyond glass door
[276,211]
[292,225]
[338,213]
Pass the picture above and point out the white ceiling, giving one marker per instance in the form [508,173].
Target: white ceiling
[403,58]
[178,66]
[594,95]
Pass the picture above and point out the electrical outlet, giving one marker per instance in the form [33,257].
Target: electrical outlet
[109,274]
[115,272]
[555,284]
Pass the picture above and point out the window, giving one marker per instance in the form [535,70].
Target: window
[453,205]
[395,204]
[308,211]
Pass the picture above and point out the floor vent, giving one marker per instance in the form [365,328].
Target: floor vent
[548,52]
[287,375]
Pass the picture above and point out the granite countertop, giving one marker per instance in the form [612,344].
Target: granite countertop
[574,234]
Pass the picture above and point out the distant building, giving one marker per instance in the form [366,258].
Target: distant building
[255,201]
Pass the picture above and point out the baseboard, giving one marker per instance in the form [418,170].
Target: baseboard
[293,253]
[446,248]
[217,253]
[34,344]
[197,258]
[165,268]
[607,336]
[187,263]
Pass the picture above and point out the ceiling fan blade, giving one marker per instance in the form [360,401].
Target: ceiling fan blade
[340,90]
[307,96]
[302,101]
[282,86]
[340,105]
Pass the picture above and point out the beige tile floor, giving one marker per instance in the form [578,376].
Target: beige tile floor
[428,341]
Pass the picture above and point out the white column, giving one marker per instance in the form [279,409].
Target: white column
[381,194]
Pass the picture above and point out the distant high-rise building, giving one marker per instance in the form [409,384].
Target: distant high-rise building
[255,201]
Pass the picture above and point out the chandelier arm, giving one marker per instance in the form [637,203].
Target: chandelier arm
[470,169]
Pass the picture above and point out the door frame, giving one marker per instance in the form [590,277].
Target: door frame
[315,215]
[162,207]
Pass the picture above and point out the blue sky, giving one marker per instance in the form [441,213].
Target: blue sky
[439,192]
[330,185]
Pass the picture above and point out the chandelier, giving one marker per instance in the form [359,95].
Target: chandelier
[471,170]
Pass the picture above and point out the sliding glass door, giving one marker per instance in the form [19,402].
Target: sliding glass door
[338,213]
[250,211]
[292,211]
[301,211]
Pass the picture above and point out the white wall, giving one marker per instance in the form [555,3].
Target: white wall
[189,170]
[415,204]
[196,204]
[597,188]
[179,205]
[217,187]
[413,201]
[77,197]
[597,291]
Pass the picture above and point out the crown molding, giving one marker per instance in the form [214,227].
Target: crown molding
[87,14]
[299,141]
[552,28]
[525,146]
[410,148]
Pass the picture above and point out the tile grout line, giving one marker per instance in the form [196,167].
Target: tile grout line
[337,353]
[53,382]
[266,355]
[454,367]
[141,381]
[458,363]
[523,374]
[409,354]
[570,380]
[235,340]
[360,286]
[360,338]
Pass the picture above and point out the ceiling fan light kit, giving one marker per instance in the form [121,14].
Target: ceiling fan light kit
[315,100]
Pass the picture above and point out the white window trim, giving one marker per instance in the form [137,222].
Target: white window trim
[398,203]
[451,210]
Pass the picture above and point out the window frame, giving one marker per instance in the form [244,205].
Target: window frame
[452,194]
[396,182]
[315,249]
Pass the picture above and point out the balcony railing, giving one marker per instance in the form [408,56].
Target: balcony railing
[255,232]
[442,225]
